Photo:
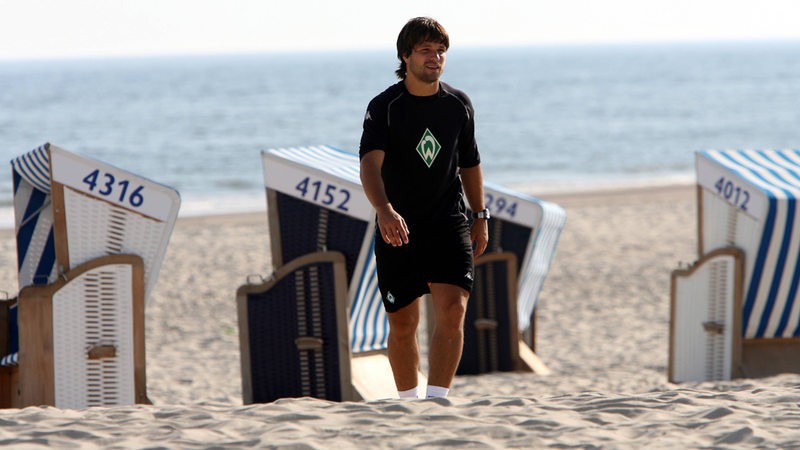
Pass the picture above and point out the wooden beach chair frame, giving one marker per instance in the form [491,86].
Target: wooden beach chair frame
[719,321]
[310,344]
[91,211]
[37,381]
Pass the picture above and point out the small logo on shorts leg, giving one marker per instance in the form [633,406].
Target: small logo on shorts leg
[468,275]
[389,297]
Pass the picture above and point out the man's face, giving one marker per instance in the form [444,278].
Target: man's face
[426,61]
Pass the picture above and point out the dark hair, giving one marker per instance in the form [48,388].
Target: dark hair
[416,31]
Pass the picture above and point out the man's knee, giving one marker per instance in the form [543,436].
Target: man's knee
[450,309]
[403,323]
[451,315]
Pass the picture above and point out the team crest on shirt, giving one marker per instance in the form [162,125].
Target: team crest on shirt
[428,147]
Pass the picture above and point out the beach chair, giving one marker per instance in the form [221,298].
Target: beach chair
[293,332]
[745,288]
[316,206]
[526,230]
[72,214]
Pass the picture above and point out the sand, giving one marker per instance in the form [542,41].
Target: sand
[602,329]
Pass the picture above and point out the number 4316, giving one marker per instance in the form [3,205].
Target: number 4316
[108,185]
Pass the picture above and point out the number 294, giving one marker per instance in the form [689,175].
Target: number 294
[500,205]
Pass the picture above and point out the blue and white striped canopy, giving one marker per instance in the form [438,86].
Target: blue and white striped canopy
[36,254]
[765,184]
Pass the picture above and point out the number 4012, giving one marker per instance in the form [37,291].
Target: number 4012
[733,193]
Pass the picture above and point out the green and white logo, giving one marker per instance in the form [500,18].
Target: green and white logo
[428,147]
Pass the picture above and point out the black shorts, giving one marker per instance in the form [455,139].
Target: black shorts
[442,255]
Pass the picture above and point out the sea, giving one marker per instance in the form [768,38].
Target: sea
[548,118]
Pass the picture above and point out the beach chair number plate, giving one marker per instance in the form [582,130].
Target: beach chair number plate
[500,206]
[730,188]
[324,193]
[109,185]
[507,206]
[113,185]
[732,193]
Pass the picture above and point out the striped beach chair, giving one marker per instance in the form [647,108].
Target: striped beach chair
[72,212]
[316,206]
[523,235]
[741,301]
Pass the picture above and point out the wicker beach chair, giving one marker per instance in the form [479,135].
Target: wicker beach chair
[72,212]
[523,235]
[291,332]
[748,224]
[316,206]
[530,228]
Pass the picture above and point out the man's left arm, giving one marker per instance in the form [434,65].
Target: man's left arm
[472,180]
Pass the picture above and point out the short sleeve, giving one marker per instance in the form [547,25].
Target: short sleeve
[375,134]
[468,155]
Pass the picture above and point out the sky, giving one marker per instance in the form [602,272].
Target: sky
[45,29]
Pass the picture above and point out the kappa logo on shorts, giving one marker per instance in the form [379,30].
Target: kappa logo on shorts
[389,297]
[428,147]
[468,275]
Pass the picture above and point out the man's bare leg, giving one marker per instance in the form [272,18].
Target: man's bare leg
[447,339]
[403,348]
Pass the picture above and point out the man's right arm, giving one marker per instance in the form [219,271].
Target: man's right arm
[391,225]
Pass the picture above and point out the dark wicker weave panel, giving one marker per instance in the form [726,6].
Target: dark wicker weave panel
[298,222]
[346,235]
[300,229]
[274,325]
[488,350]
[512,238]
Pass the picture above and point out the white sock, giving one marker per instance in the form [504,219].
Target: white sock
[437,392]
[411,393]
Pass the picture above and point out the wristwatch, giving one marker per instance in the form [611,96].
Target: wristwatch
[482,214]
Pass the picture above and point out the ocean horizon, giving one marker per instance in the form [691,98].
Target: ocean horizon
[548,118]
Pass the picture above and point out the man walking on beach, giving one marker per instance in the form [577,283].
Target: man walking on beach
[417,150]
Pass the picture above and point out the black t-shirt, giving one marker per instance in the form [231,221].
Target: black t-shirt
[425,140]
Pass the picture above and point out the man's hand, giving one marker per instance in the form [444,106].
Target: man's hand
[479,235]
[392,226]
